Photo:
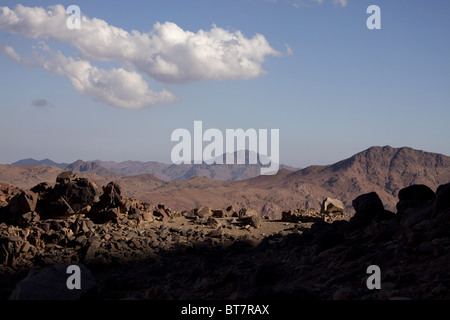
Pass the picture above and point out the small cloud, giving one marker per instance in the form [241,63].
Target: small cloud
[343,3]
[40,103]
[289,51]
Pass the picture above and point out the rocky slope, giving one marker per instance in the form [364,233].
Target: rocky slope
[131,249]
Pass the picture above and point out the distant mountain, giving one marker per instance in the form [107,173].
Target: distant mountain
[168,172]
[45,162]
[163,171]
[384,170]
[80,166]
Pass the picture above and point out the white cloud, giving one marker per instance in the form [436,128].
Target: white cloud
[343,3]
[117,87]
[289,50]
[166,53]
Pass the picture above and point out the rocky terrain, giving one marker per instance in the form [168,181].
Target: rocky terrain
[129,249]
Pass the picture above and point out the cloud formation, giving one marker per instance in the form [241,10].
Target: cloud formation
[166,53]
[342,3]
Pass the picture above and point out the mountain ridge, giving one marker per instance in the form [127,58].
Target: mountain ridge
[384,170]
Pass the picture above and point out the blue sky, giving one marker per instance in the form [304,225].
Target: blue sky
[343,89]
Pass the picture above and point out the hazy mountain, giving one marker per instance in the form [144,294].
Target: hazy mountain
[167,172]
[45,162]
[92,167]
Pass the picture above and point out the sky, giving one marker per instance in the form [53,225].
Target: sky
[135,71]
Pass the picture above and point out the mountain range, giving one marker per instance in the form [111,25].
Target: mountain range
[163,171]
[384,170]
[44,162]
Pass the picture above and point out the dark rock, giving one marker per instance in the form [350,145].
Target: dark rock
[105,215]
[254,221]
[42,189]
[414,196]
[212,222]
[58,209]
[78,194]
[245,212]
[23,202]
[442,199]
[112,195]
[27,219]
[64,177]
[219,214]
[367,206]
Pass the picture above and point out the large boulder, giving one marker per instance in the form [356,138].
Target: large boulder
[367,205]
[67,197]
[79,193]
[442,200]
[24,202]
[109,206]
[246,212]
[64,177]
[254,220]
[414,197]
[20,209]
[332,206]
[112,195]
[204,212]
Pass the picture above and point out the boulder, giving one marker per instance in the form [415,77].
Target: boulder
[111,198]
[219,214]
[442,200]
[245,212]
[204,212]
[191,214]
[42,189]
[212,222]
[413,197]
[78,193]
[24,202]
[254,221]
[64,177]
[27,218]
[332,206]
[112,195]
[367,206]
[59,209]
